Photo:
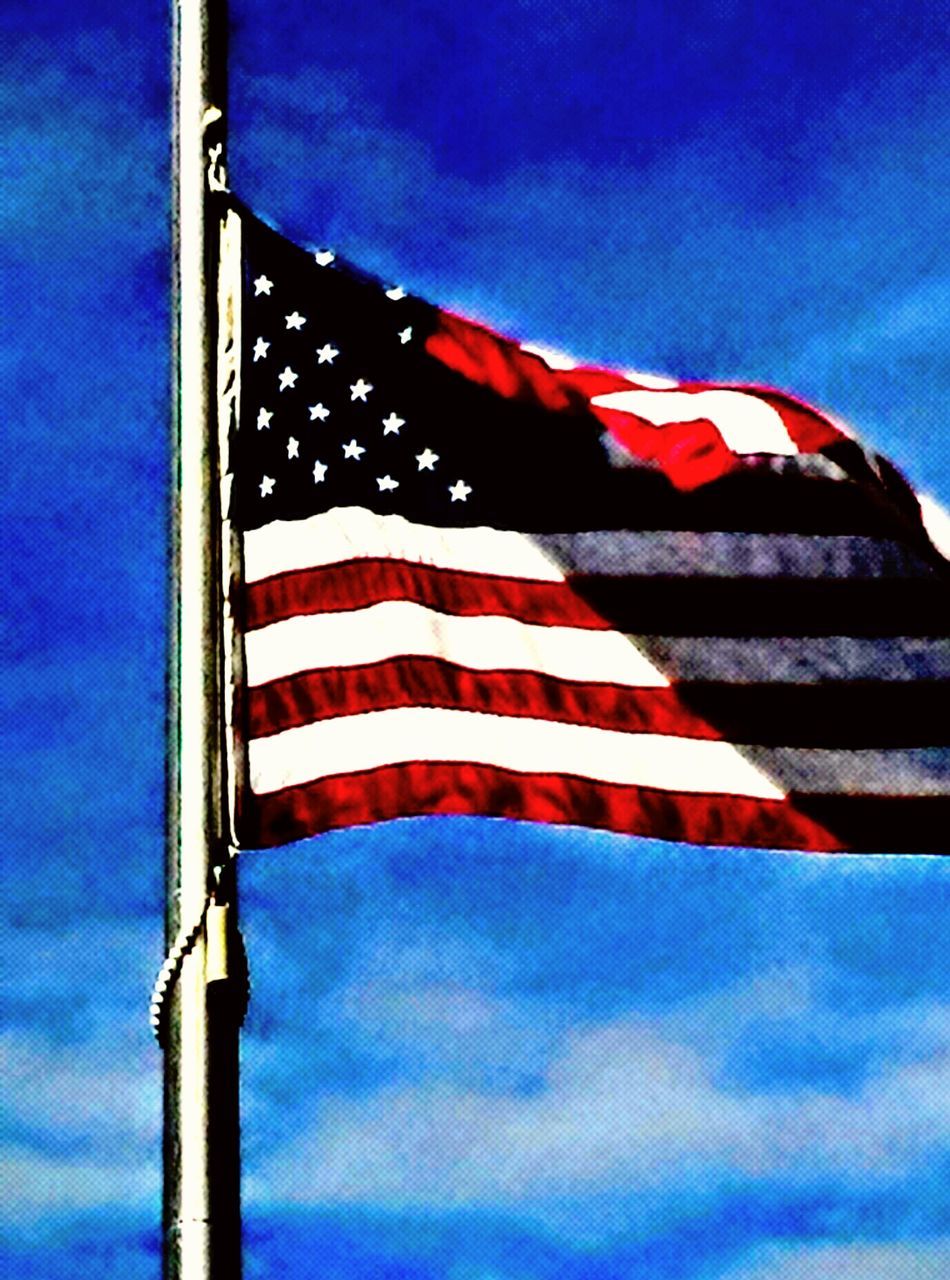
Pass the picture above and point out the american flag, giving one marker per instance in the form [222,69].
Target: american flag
[474,579]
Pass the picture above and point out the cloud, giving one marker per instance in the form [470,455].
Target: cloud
[917,1260]
[80,1077]
[93,1098]
[82,166]
[493,909]
[81,1129]
[38,1188]
[626,1119]
[90,975]
[452,969]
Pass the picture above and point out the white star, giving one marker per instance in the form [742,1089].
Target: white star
[360,389]
[260,349]
[323,257]
[319,411]
[266,486]
[262,285]
[287,378]
[263,418]
[405,334]
[353,450]
[386,482]
[327,354]
[319,471]
[427,459]
[460,490]
[293,448]
[396,292]
[295,320]
[392,424]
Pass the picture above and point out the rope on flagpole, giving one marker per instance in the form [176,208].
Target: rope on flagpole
[171,966]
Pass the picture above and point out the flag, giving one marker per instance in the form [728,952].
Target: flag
[474,579]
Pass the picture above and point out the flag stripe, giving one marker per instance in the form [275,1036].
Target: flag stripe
[396,628]
[402,734]
[906,825]
[882,824]
[747,423]
[597,572]
[633,553]
[860,771]
[345,535]
[860,713]
[676,606]
[367,582]
[431,682]
[349,533]
[554,380]
[352,744]
[820,660]
[405,790]
[780,607]
[809,429]
[847,714]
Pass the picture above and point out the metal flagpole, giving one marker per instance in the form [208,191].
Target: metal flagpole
[201,1206]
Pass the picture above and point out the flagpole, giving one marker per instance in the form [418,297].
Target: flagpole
[201,1202]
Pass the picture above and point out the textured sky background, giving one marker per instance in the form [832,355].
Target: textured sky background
[476,1051]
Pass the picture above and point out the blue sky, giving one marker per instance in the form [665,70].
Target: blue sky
[475,1051]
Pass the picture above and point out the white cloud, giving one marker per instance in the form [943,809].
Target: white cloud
[99,967]
[87,1091]
[37,1187]
[81,1121]
[625,1113]
[928,1260]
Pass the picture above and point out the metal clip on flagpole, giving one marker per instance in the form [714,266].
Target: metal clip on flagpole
[225,960]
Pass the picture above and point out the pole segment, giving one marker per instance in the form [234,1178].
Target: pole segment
[201,1206]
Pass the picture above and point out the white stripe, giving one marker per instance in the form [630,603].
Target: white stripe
[553,357]
[799,659]
[353,533]
[556,359]
[352,743]
[654,381]
[348,533]
[936,521]
[907,771]
[685,553]
[398,628]
[746,423]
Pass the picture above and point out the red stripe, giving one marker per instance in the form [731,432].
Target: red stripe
[860,713]
[810,430]
[505,367]
[355,584]
[694,453]
[883,824]
[407,790]
[690,453]
[491,361]
[432,682]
